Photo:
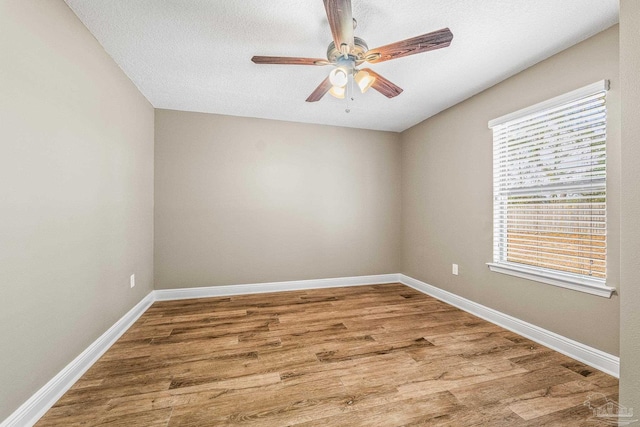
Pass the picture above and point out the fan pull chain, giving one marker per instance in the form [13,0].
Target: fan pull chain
[349,95]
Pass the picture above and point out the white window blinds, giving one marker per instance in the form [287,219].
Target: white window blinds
[550,186]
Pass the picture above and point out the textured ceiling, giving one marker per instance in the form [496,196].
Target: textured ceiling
[194,55]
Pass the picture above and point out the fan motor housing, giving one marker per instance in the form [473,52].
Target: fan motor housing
[356,54]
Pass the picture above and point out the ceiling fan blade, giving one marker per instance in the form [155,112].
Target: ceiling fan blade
[383,85]
[340,21]
[319,92]
[285,60]
[424,43]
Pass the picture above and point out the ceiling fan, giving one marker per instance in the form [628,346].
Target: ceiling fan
[347,52]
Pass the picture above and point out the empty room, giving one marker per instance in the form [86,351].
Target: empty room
[319,213]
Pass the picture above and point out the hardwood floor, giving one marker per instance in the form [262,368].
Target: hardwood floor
[383,355]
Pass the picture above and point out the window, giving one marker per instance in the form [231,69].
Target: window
[549,191]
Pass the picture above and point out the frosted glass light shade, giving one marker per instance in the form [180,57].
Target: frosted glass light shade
[364,80]
[339,77]
[337,92]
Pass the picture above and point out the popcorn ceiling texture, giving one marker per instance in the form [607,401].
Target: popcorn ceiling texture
[194,55]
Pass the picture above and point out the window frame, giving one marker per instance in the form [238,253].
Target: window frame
[540,274]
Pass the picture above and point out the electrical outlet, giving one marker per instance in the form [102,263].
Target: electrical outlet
[132,280]
[454,269]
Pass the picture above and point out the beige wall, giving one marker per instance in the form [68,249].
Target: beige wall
[243,200]
[76,194]
[447,203]
[630,224]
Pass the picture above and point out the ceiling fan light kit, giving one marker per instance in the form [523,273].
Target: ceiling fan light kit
[346,52]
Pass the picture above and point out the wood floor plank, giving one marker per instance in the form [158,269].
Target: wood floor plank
[499,389]
[369,355]
[555,398]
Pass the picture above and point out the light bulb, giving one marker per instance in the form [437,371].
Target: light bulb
[364,80]
[339,77]
[337,92]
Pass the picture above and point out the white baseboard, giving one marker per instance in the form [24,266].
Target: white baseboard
[34,408]
[598,359]
[259,288]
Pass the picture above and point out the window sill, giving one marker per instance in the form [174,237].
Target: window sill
[593,287]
